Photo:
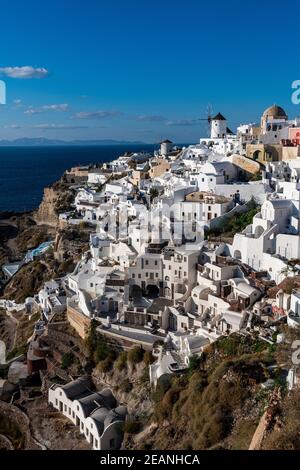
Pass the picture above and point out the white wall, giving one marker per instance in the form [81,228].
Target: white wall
[288,246]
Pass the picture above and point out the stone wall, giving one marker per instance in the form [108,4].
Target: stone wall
[78,321]
[245,164]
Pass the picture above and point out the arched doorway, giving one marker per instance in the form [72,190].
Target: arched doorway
[152,291]
[258,231]
[136,292]
[257,155]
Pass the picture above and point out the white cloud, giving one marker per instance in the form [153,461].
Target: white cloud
[13,126]
[96,114]
[32,111]
[47,126]
[152,118]
[17,103]
[56,107]
[23,72]
[50,126]
[47,107]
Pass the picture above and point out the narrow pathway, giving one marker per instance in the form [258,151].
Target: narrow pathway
[259,433]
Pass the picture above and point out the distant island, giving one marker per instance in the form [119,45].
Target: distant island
[39,141]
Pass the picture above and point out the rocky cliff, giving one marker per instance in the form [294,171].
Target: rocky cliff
[57,198]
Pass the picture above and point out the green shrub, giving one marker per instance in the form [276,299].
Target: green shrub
[97,346]
[18,351]
[135,355]
[106,364]
[121,361]
[195,362]
[145,378]
[67,360]
[126,386]
[132,427]
[148,358]
[237,222]
[163,385]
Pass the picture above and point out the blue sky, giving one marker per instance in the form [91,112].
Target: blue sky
[143,70]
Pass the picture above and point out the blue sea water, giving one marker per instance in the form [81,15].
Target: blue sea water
[25,171]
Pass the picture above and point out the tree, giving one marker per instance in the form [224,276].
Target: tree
[97,345]
[67,360]
[194,362]
[153,194]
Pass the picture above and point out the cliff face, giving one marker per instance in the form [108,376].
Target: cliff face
[28,281]
[217,404]
[55,200]
[130,386]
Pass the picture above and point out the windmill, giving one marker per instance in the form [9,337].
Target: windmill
[208,118]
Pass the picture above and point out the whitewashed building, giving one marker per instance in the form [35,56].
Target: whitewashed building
[97,414]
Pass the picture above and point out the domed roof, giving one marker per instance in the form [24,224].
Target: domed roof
[275,112]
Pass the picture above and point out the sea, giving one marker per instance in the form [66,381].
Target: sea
[26,171]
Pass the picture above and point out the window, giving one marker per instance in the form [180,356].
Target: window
[56,402]
[139,276]
[133,275]
[155,262]
[146,262]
